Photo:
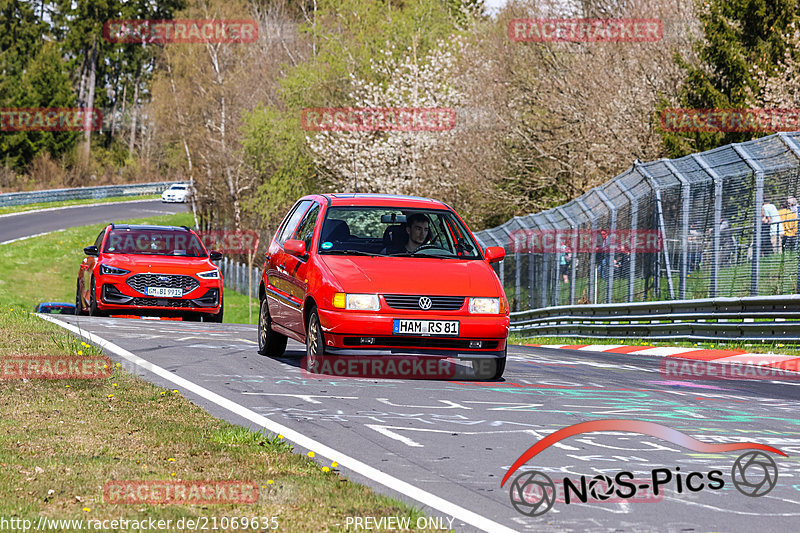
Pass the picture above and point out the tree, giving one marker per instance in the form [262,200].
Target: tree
[738,35]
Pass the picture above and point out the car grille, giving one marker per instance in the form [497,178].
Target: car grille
[163,302]
[138,282]
[438,303]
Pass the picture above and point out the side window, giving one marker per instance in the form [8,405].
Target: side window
[305,231]
[99,240]
[292,221]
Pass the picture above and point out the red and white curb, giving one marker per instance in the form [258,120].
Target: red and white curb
[702,362]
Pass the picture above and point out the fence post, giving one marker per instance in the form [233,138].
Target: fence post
[633,226]
[713,283]
[686,200]
[593,253]
[759,200]
[662,227]
[610,252]
[795,149]
[556,260]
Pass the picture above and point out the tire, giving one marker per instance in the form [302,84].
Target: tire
[78,300]
[315,342]
[270,342]
[93,310]
[492,372]
[215,318]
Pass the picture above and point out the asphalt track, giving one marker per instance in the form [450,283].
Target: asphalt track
[457,439]
[21,225]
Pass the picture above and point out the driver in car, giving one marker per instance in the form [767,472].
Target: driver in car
[417,228]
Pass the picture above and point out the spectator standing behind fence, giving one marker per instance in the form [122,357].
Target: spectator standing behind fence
[789,222]
[564,262]
[772,219]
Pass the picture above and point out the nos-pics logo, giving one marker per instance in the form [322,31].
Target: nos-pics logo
[533,493]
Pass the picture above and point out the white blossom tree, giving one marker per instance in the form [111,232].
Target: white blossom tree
[404,162]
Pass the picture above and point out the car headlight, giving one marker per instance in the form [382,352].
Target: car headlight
[484,306]
[114,271]
[356,302]
[210,274]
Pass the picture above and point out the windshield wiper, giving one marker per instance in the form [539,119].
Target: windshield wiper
[352,252]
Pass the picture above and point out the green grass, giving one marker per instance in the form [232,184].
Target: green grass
[62,203]
[61,441]
[767,346]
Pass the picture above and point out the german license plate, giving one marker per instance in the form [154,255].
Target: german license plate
[163,292]
[425,327]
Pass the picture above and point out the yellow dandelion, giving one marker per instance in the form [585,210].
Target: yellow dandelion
[163,393]
[86,509]
[171,459]
[110,396]
[175,390]
[280,436]
[67,386]
[173,474]
[80,352]
[270,482]
[113,384]
[311,454]
[325,469]
[118,365]
[334,464]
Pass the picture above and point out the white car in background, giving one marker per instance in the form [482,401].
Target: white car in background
[177,193]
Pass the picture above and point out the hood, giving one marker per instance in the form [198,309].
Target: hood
[412,275]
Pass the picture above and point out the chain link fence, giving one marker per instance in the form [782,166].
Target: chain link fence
[719,223]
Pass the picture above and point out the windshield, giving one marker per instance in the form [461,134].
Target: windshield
[178,187]
[395,232]
[154,242]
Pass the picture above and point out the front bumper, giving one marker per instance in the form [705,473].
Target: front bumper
[480,336]
[118,296]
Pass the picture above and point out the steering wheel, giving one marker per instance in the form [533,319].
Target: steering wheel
[428,247]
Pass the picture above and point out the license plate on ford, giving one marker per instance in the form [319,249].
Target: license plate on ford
[163,292]
[425,327]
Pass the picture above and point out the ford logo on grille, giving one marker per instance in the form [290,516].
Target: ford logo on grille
[425,303]
[163,278]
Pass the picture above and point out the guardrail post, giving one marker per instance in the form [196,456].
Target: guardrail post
[713,283]
[610,252]
[795,149]
[661,226]
[573,249]
[759,201]
[686,200]
[593,253]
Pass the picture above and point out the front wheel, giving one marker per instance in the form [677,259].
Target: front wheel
[78,300]
[315,343]
[93,309]
[269,341]
[489,369]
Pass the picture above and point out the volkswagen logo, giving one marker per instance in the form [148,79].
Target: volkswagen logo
[425,303]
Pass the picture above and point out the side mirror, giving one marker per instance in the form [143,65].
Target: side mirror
[215,255]
[495,254]
[92,251]
[295,248]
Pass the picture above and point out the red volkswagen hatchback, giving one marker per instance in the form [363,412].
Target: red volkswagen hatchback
[354,273]
[149,270]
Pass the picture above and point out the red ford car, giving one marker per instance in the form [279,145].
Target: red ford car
[149,270]
[349,274]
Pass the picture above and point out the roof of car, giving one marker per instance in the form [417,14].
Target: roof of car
[149,226]
[389,200]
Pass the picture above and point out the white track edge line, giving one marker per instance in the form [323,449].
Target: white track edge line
[355,465]
[44,209]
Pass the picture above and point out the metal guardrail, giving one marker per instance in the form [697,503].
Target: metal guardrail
[756,318]
[83,193]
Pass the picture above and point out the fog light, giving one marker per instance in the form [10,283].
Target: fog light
[367,340]
[475,344]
